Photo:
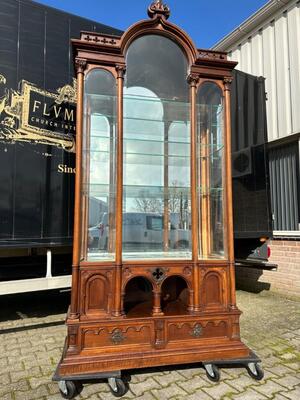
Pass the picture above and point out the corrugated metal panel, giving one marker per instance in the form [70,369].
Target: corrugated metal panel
[284,177]
[273,51]
[294,53]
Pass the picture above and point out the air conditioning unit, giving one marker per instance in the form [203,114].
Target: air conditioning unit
[242,162]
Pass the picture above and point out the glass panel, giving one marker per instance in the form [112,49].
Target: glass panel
[156,193]
[99,166]
[210,170]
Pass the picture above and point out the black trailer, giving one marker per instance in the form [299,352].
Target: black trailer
[37,145]
[252,214]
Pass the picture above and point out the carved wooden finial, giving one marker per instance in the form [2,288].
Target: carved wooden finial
[158,10]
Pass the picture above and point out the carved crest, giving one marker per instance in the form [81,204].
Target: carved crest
[158,10]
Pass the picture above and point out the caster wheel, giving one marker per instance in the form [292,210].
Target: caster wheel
[70,389]
[255,371]
[212,372]
[117,387]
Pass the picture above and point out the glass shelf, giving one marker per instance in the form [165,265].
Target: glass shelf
[215,147]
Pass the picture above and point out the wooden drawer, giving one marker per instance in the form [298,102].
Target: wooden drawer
[117,336]
[196,330]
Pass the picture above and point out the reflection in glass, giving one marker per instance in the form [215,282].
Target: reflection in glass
[210,162]
[99,141]
[156,168]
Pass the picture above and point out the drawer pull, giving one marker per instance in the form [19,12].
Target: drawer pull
[197,331]
[117,336]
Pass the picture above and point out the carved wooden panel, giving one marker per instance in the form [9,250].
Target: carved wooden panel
[97,296]
[117,336]
[157,273]
[195,330]
[213,294]
[212,291]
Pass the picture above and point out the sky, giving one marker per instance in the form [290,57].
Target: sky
[205,21]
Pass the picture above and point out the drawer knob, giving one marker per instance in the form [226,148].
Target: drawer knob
[197,331]
[117,336]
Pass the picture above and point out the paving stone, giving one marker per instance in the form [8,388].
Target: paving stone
[241,383]
[280,370]
[169,392]
[138,377]
[145,396]
[249,394]
[288,381]
[15,376]
[56,396]
[219,390]
[292,394]
[8,396]
[279,396]
[269,387]
[5,379]
[191,385]
[170,377]
[36,382]
[91,389]
[37,393]
[141,387]
[92,397]
[21,385]
[190,373]
[293,365]
[288,356]
[3,362]
[198,395]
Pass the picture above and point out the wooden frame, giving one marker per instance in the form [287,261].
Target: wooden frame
[97,338]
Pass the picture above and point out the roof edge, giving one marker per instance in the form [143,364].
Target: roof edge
[249,24]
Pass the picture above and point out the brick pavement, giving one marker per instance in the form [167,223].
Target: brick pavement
[270,325]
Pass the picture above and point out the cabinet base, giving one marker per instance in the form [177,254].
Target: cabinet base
[100,367]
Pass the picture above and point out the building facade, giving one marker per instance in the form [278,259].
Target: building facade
[268,44]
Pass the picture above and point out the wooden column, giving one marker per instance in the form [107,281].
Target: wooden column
[80,65]
[119,201]
[205,187]
[228,183]
[112,202]
[166,185]
[156,310]
[193,81]
[85,178]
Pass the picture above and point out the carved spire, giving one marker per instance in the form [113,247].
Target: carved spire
[158,10]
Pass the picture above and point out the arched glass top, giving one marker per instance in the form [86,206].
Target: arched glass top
[158,64]
[156,168]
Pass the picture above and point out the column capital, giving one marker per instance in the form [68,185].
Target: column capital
[227,82]
[193,79]
[80,65]
[121,69]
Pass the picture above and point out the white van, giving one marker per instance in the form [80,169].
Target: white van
[144,231]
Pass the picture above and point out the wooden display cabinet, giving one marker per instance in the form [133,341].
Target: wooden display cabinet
[153,283]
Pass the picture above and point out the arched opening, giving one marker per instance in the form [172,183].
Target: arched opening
[138,299]
[174,296]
